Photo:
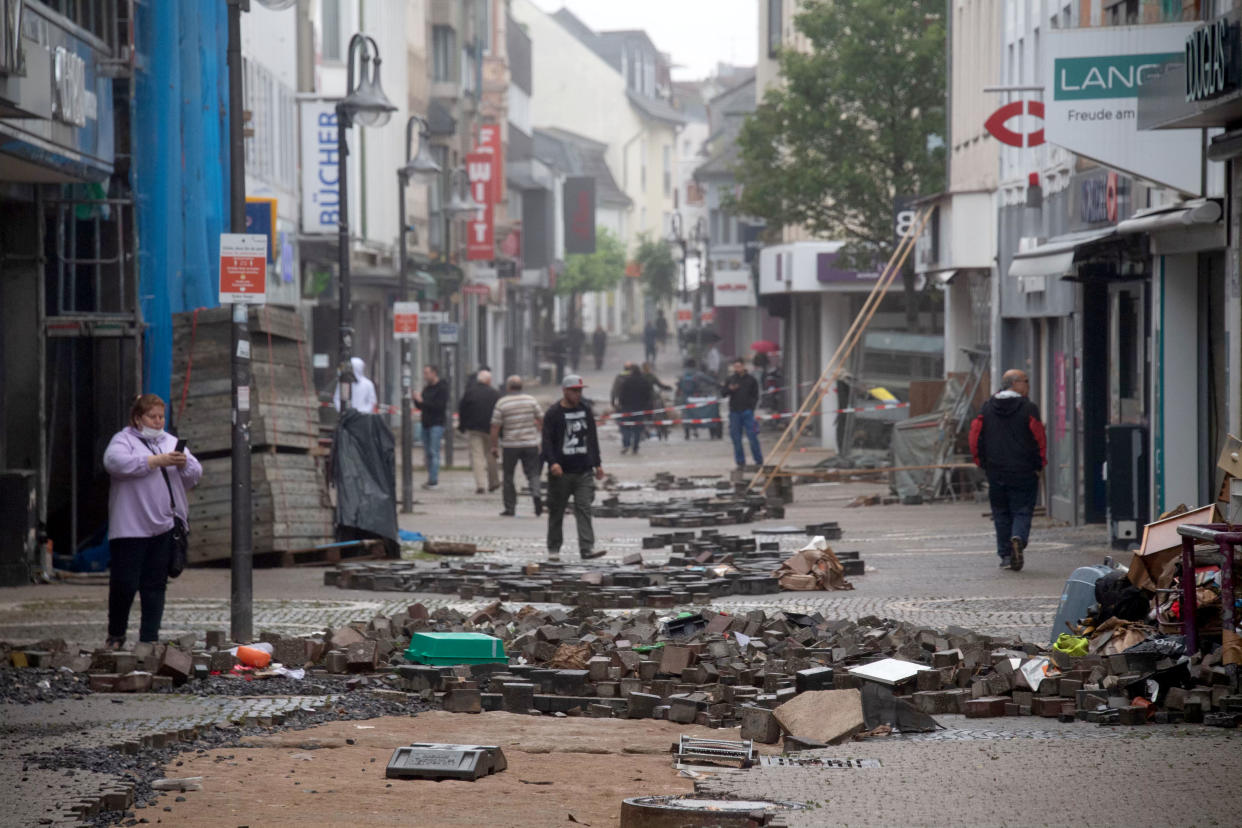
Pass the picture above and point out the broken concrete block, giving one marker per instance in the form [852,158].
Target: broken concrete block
[103,682]
[342,637]
[519,696]
[597,668]
[682,710]
[986,707]
[641,705]
[362,656]
[222,661]
[674,659]
[825,716]
[760,725]
[463,701]
[135,682]
[1048,706]
[176,664]
[569,682]
[336,661]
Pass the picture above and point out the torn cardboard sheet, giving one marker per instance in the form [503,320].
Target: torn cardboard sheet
[812,567]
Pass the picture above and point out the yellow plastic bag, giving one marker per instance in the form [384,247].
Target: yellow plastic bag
[1072,645]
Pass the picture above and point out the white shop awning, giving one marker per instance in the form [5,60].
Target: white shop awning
[1055,257]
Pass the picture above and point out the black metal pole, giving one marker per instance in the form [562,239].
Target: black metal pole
[345,316]
[407,378]
[241,592]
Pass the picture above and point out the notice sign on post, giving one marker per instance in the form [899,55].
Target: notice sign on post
[405,320]
[243,268]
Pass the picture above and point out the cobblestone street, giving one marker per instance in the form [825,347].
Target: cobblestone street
[933,565]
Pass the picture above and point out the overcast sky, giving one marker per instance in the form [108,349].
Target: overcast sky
[696,33]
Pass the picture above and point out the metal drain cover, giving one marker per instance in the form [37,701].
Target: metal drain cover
[689,812]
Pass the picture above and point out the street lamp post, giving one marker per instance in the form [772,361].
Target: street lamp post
[699,237]
[366,103]
[456,207]
[241,519]
[420,165]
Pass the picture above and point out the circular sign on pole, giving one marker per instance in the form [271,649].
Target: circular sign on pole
[995,124]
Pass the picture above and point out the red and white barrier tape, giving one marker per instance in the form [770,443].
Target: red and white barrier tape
[783,415]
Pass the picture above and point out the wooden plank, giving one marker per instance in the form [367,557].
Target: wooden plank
[368,550]
[278,321]
[200,552]
[852,472]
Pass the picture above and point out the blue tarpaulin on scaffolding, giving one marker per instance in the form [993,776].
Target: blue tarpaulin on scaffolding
[180,168]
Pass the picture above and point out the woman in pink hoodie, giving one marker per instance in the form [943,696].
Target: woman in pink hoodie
[149,482]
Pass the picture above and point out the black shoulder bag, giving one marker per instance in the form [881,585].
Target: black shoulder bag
[180,532]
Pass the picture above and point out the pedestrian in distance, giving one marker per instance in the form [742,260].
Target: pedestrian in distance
[696,392]
[661,324]
[614,398]
[150,471]
[559,353]
[742,391]
[575,338]
[657,398]
[432,404]
[1007,441]
[570,448]
[635,400]
[362,395]
[649,342]
[517,421]
[474,419]
[712,361]
[599,343]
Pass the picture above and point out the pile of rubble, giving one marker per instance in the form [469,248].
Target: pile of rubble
[710,668]
[697,571]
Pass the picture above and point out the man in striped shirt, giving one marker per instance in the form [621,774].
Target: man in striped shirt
[517,422]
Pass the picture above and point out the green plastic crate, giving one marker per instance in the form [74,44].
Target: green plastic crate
[456,648]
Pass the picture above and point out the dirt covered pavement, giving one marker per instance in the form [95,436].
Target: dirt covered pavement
[334,774]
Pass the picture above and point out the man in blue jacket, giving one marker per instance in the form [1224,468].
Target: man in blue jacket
[1007,441]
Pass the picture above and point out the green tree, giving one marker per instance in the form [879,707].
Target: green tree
[659,268]
[589,272]
[857,121]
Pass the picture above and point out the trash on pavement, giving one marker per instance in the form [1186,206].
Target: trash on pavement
[254,655]
[455,648]
[187,783]
[890,671]
[813,567]
[691,751]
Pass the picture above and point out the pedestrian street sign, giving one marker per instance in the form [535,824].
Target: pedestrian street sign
[405,320]
[243,268]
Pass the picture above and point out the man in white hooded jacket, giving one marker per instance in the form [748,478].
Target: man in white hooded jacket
[362,394]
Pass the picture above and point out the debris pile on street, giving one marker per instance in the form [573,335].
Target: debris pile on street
[705,667]
[698,570]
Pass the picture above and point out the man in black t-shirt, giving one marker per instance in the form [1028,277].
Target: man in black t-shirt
[742,391]
[571,451]
[432,403]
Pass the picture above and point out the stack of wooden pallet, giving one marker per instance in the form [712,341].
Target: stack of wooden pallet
[289,488]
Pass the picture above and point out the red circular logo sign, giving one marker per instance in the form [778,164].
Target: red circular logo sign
[995,124]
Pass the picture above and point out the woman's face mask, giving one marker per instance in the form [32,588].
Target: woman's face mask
[151,424]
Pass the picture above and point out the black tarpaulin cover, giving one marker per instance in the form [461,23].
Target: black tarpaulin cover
[364,471]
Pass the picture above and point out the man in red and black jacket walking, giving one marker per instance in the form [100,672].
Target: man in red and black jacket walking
[1007,441]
